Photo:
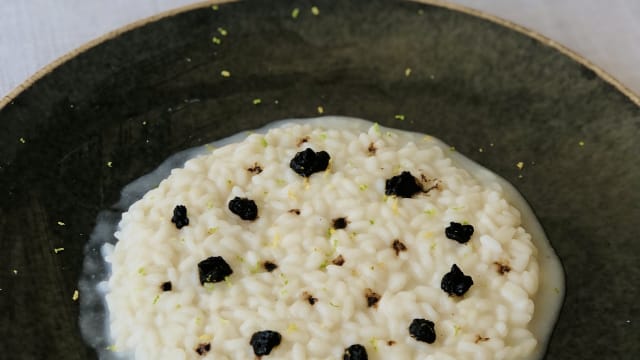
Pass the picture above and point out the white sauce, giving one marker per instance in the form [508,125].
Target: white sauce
[93,286]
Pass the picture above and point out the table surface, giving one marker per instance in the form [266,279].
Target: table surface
[34,33]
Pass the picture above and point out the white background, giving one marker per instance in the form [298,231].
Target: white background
[33,33]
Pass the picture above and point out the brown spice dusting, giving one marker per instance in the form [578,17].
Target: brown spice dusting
[481,339]
[312,300]
[295,211]
[302,141]
[428,184]
[391,342]
[502,268]
[339,223]
[372,149]
[372,297]
[398,246]
[203,349]
[269,266]
[338,261]
[256,169]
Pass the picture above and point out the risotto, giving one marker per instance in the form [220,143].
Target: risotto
[331,238]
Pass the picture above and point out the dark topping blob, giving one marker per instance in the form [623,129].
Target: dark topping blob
[213,270]
[391,342]
[264,341]
[256,169]
[372,297]
[404,185]
[355,352]
[502,268]
[246,209]
[422,330]
[295,211]
[339,223]
[203,349]
[338,261]
[308,162]
[458,232]
[180,216]
[166,286]
[398,246]
[312,301]
[269,266]
[456,282]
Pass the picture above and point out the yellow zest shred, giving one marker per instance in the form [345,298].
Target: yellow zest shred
[57,250]
[22,140]
[205,337]
[61,223]
[76,295]
[520,165]
[320,110]
[315,11]
[407,71]
[225,73]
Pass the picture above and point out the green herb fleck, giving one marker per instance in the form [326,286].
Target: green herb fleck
[257,101]
[223,31]
[141,271]
[371,221]
[264,142]
[22,140]
[430,212]
[320,110]
[334,305]
[57,250]
[225,73]
[109,164]
[376,128]
[212,230]
[61,223]
[294,13]
[76,295]
[407,72]
[155,299]
[581,143]
[315,11]
[216,40]
[323,136]
[214,7]
[363,187]
[111,348]
[399,117]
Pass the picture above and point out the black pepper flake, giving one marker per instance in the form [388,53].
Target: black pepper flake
[269,266]
[307,162]
[502,268]
[423,330]
[458,232]
[307,296]
[338,261]
[339,223]
[213,269]
[372,297]
[456,282]
[302,140]
[404,185]
[180,216]
[295,211]
[355,352]
[256,169]
[398,246]
[264,341]
[246,209]
[480,338]
[166,286]
[203,349]
[372,148]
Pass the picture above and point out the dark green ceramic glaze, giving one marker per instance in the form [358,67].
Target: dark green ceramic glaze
[150,92]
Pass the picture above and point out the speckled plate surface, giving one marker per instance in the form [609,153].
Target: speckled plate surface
[70,141]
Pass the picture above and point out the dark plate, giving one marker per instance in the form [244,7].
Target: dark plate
[141,96]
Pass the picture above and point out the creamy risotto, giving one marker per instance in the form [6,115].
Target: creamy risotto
[332,238]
